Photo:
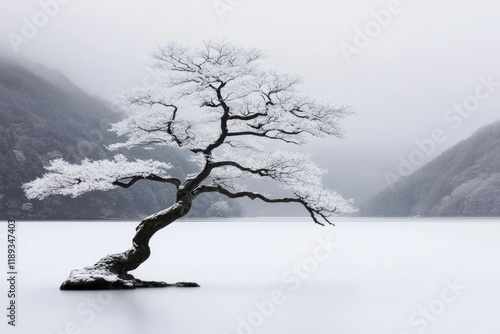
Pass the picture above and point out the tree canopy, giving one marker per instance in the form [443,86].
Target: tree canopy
[215,102]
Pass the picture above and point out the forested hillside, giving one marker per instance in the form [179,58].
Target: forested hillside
[463,181]
[41,121]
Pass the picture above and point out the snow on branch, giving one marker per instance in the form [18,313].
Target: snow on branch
[64,178]
[335,204]
[285,116]
[163,128]
[219,95]
[213,63]
[295,171]
[286,167]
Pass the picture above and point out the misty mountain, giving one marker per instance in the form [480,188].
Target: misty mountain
[44,116]
[462,181]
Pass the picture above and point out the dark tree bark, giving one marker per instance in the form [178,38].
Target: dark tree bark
[112,271]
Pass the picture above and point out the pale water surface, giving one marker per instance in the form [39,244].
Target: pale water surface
[381,276]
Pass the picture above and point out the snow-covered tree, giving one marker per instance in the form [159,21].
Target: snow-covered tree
[216,102]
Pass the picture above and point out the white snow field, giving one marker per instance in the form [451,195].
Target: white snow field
[267,275]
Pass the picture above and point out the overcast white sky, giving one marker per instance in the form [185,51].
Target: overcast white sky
[428,58]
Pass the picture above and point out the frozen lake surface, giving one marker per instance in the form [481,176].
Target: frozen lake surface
[267,275]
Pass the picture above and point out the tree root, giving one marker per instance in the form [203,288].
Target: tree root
[92,278]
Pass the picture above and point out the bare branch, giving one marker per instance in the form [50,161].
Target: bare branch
[252,195]
[132,180]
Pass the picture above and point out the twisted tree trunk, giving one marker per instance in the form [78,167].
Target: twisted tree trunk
[112,271]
